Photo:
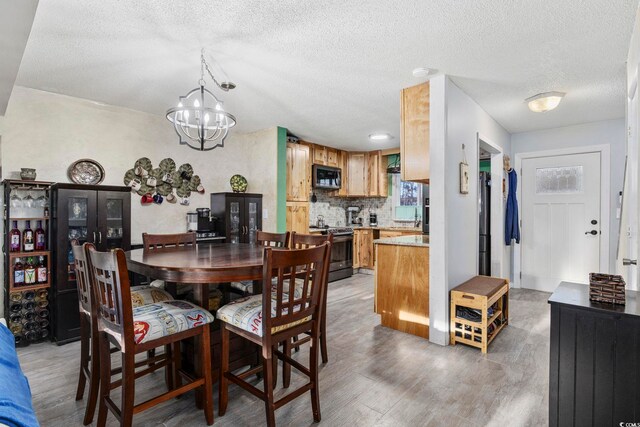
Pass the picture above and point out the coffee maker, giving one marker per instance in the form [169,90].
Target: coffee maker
[206,222]
[373,219]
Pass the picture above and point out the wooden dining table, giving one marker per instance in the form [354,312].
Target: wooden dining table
[200,266]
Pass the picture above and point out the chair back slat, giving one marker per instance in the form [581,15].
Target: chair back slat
[112,292]
[82,276]
[274,240]
[303,241]
[158,241]
[309,265]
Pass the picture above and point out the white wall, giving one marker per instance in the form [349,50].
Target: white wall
[608,132]
[456,119]
[48,132]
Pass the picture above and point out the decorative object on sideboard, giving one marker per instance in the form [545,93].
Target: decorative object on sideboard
[155,185]
[607,288]
[86,171]
[238,183]
[199,118]
[28,174]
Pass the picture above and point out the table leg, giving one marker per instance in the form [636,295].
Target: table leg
[201,298]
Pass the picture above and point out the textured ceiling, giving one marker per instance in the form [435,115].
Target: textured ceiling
[331,71]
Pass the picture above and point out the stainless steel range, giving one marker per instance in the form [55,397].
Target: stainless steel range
[341,253]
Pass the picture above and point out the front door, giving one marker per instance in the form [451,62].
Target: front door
[560,220]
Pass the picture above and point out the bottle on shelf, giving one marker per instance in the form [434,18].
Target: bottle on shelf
[29,272]
[40,237]
[18,273]
[28,243]
[14,238]
[41,271]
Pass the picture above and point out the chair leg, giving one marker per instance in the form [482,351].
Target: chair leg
[323,339]
[295,338]
[177,364]
[274,365]
[267,364]
[205,352]
[286,368]
[94,380]
[85,337]
[223,387]
[128,388]
[313,367]
[169,378]
[105,378]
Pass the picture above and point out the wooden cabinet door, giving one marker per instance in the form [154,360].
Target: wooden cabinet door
[356,248]
[319,155]
[383,178]
[332,157]
[365,248]
[114,220]
[298,217]
[373,173]
[343,164]
[298,172]
[414,133]
[357,177]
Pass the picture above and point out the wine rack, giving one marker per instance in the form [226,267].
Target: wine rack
[26,294]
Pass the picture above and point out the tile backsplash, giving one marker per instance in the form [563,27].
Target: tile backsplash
[334,210]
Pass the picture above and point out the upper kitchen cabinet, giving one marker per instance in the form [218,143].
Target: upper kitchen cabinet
[319,155]
[332,157]
[357,174]
[414,133]
[343,164]
[377,174]
[298,172]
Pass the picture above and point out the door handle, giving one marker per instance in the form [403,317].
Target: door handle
[94,237]
[592,232]
[627,261]
[99,236]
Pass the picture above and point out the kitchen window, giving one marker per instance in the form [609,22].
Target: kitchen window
[407,199]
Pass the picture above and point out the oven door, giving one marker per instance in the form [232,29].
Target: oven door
[341,253]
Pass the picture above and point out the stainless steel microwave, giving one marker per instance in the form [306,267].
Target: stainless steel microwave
[326,177]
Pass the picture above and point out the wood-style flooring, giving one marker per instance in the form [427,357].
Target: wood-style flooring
[375,376]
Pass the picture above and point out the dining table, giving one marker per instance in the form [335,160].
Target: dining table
[201,265]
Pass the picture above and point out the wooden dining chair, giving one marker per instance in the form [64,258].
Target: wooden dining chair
[263,238]
[158,241]
[287,315]
[141,329]
[304,241]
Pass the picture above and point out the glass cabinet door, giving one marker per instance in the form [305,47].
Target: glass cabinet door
[252,221]
[235,226]
[77,231]
[114,221]
[115,229]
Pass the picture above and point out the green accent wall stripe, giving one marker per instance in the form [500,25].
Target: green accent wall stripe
[282,180]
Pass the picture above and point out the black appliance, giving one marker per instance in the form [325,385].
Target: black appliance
[99,214]
[326,177]
[341,265]
[239,216]
[425,209]
[484,262]
[373,219]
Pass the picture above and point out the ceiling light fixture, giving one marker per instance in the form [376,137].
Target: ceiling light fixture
[199,119]
[543,102]
[380,137]
[423,72]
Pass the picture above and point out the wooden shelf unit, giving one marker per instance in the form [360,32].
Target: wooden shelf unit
[479,293]
[32,254]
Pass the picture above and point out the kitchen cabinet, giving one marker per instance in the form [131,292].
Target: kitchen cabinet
[363,248]
[343,164]
[357,174]
[239,215]
[332,157]
[86,213]
[319,155]
[397,233]
[414,133]
[297,217]
[377,181]
[298,172]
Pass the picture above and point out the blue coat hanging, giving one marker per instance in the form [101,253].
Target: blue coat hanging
[511,223]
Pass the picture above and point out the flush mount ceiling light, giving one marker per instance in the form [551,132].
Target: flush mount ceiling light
[543,102]
[379,136]
[199,119]
[423,72]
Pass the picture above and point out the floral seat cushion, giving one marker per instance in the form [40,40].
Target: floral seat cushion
[143,295]
[246,313]
[157,320]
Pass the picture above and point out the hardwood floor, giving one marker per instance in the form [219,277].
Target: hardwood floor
[375,376]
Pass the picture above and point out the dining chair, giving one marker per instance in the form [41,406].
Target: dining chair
[89,350]
[137,330]
[263,238]
[288,315]
[158,241]
[303,241]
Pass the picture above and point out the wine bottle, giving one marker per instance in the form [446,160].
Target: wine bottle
[40,238]
[41,271]
[27,238]
[18,273]
[30,273]
[14,239]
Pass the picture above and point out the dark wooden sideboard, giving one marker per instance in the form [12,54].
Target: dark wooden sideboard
[594,372]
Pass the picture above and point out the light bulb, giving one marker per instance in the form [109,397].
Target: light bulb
[218,107]
[179,104]
[186,115]
[196,103]
[206,118]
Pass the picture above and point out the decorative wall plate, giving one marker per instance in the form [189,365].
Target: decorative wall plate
[86,171]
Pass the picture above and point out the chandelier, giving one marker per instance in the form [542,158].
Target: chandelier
[199,118]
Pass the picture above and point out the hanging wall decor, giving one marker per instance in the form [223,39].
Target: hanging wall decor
[464,173]
[166,182]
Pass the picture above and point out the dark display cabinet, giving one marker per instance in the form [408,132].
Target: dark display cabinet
[27,267]
[239,215]
[86,213]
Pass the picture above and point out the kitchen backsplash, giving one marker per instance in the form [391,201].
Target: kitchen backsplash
[333,209]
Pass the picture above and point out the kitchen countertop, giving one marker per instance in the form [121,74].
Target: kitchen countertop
[418,240]
[391,228]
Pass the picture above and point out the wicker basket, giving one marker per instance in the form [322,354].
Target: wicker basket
[607,288]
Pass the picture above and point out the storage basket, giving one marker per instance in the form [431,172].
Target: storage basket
[607,288]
